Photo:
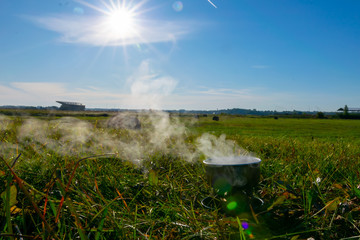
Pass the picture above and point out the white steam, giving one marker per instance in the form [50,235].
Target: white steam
[148,87]
[214,147]
[71,136]
[130,136]
[6,148]
[232,160]
[159,134]
[124,120]
[4,122]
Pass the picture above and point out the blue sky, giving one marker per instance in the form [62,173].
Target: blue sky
[189,54]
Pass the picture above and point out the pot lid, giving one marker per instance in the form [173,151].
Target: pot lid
[232,160]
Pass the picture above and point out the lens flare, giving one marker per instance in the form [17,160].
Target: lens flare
[245,225]
[78,11]
[231,205]
[178,6]
[248,231]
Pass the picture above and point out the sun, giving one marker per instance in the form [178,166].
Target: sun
[120,23]
[119,20]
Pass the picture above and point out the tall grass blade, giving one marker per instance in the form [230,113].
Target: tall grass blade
[7,207]
[22,187]
[241,230]
[101,225]
[77,219]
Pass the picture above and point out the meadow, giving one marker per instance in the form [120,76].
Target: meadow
[79,178]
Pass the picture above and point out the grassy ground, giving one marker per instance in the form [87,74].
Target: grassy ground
[282,127]
[60,188]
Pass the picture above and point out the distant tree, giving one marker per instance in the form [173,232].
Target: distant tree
[216,118]
[320,115]
[346,110]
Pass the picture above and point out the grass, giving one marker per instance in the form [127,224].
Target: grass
[309,182]
[282,127]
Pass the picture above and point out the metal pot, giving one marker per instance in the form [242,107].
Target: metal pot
[229,175]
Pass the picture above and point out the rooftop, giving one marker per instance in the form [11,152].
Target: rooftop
[70,103]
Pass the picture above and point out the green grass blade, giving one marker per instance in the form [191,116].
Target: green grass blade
[101,224]
[241,230]
[7,207]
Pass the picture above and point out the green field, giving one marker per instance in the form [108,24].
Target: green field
[81,178]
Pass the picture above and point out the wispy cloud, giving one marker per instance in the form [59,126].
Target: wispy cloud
[145,88]
[39,88]
[260,66]
[91,30]
[156,94]
[46,93]
[221,91]
[223,98]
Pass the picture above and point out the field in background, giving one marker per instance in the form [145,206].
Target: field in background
[309,180]
[327,129]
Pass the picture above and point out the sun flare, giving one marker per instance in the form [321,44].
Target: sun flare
[120,23]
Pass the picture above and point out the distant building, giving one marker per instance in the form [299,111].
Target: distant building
[354,109]
[71,106]
[349,110]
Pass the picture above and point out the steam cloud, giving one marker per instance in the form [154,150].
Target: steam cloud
[4,122]
[159,133]
[148,86]
[214,147]
[71,136]
[139,136]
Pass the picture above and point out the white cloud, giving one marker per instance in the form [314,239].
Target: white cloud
[221,99]
[7,92]
[222,91]
[30,93]
[91,30]
[146,89]
[46,94]
[260,66]
[39,88]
